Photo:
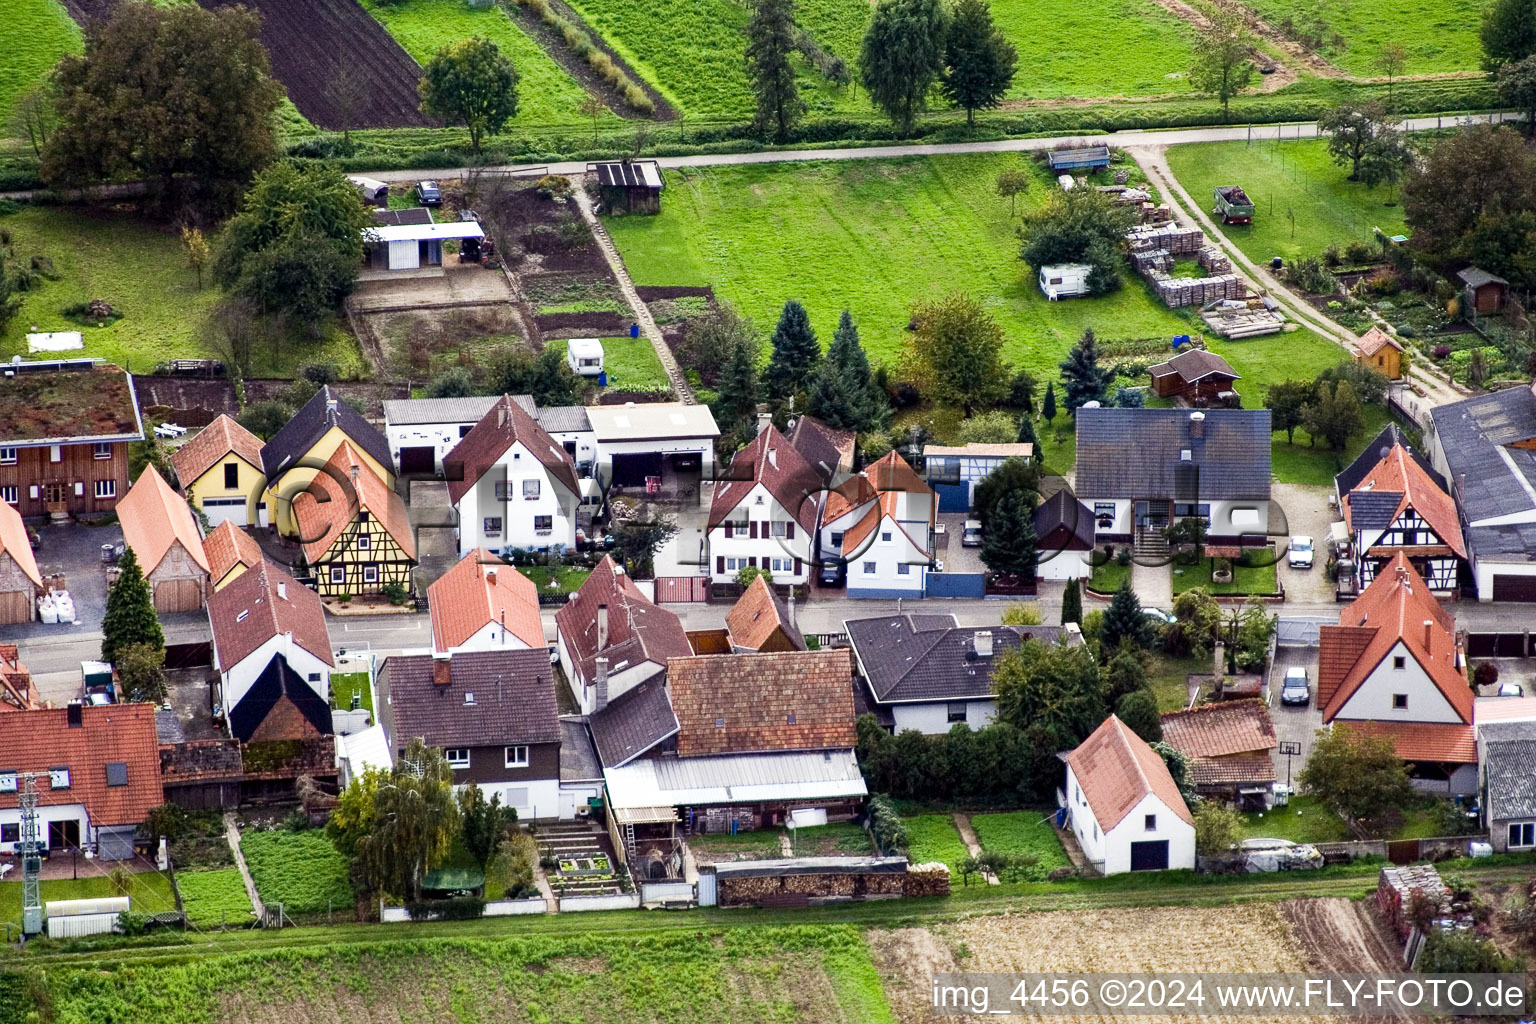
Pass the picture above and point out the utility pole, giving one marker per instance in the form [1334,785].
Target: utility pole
[31,850]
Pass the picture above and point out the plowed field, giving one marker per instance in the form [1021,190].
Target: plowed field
[311,40]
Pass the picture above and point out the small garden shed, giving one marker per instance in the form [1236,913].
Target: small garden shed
[1381,352]
[1484,292]
[629,186]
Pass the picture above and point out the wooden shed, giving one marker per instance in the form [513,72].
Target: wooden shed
[1195,375]
[20,582]
[1381,352]
[160,528]
[629,186]
[1484,292]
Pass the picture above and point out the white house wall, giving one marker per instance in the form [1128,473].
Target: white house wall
[46,813]
[621,679]
[1179,834]
[516,512]
[933,718]
[761,508]
[490,637]
[238,679]
[1484,570]
[887,559]
[1373,700]
[533,799]
[1063,565]
[442,437]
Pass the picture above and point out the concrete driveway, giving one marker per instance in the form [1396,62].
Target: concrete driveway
[1302,510]
[1294,724]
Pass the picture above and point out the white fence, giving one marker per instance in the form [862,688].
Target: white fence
[666,892]
[494,908]
[620,901]
[345,723]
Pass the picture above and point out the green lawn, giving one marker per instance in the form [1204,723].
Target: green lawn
[1300,463]
[569,577]
[1106,578]
[345,684]
[1278,176]
[140,268]
[842,838]
[1115,48]
[631,364]
[933,838]
[300,870]
[1246,579]
[150,894]
[1021,833]
[1304,820]
[1169,679]
[212,898]
[1439,35]
[759,845]
[49,33]
[546,93]
[872,236]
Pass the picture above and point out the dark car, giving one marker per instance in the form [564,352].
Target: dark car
[831,574]
[428,194]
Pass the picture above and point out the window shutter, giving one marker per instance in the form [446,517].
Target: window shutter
[752,529]
[720,565]
[752,561]
[728,533]
[789,531]
[797,567]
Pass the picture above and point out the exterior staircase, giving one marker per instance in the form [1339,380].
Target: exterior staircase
[1150,543]
[580,846]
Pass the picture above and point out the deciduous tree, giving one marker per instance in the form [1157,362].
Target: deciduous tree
[1508,33]
[483,823]
[141,670]
[636,541]
[1083,380]
[1011,184]
[545,375]
[1517,88]
[843,392]
[130,615]
[412,822]
[1285,401]
[902,56]
[955,352]
[1353,131]
[1222,67]
[796,354]
[1465,198]
[1080,226]
[1217,828]
[980,60]
[995,427]
[1138,710]
[199,252]
[1333,414]
[1390,61]
[470,83]
[770,42]
[1052,686]
[178,97]
[35,115]
[1356,776]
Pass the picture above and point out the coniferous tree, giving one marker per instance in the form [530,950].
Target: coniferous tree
[902,56]
[770,41]
[1048,409]
[1123,620]
[737,405]
[979,58]
[796,353]
[1008,546]
[1082,378]
[843,393]
[1027,433]
[1072,603]
[130,616]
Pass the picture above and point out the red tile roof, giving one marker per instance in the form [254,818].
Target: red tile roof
[769,459]
[847,496]
[756,614]
[16,690]
[208,446]
[228,546]
[40,740]
[1400,473]
[1254,769]
[1393,609]
[638,630]
[1372,341]
[15,542]
[338,493]
[1220,729]
[891,477]
[1423,741]
[261,604]
[155,518]
[748,703]
[1116,769]
[482,589]
[504,424]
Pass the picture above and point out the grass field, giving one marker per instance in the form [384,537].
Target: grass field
[1256,579]
[1298,462]
[631,364]
[212,898]
[569,577]
[546,93]
[151,892]
[1280,176]
[345,684]
[1304,820]
[1021,833]
[1060,52]
[1169,679]
[811,975]
[140,268]
[932,837]
[300,870]
[1439,35]
[49,32]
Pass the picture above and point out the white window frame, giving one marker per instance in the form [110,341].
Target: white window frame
[363,542]
[370,574]
[338,574]
[457,757]
[492,526]
[101,450]
[1521,835]
[10,494]
[7,782]
[531,489]
[58,777]
[776,529]
[55,453]
[516,756]
[106,488]
[7,456]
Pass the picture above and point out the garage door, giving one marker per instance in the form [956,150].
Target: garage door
[15,606]
[178,595]
[418,460]
[1150,856]
[220,509]
[1514,588]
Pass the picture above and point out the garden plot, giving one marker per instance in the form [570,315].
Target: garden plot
[1022,834]
[422,343]
[301,871]
[214,899]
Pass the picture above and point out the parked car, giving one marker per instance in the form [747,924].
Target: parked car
[1511,690]
[1296,689]
[1300,554]
[1159,616]
[970,533]
[831,574]
[428,194]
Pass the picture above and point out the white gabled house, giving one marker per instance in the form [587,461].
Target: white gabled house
[764,512]
[880,523]
[483,604]
[513,485]
[1125,809]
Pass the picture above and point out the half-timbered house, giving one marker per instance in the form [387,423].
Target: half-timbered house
[354,528]
[295,455]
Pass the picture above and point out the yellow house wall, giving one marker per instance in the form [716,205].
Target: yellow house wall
[252,485]
[235,572]
[282,491]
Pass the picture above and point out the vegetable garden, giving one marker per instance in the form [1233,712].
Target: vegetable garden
[214,898]
[300,870]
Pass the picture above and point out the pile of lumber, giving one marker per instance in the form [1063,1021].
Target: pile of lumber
[926,880]
[1240,320]
[1177,292]
[1178,240]
[1214,260]
[1396,886]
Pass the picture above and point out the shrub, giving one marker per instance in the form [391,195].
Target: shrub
[1440,351]
[1021,613]
[1359,251]
[395,593]
[1331,256]
[886,825]
[1486,674]
[460,908]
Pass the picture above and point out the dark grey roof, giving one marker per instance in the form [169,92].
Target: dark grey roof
[633,723]
[278,680]
[1474,435]
[1373,510]
[1512,542]
[929,658]
[514,694]
[1136,453]
[630,174]
[1063,509]
[1510,764]
[413,411]
[326,410]
[1374,452]
[562,419]
[578,757]
[401,218]
[1476,277]
[1194,364]
[168,727]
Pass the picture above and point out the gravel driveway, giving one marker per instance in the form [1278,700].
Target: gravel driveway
[1300,509]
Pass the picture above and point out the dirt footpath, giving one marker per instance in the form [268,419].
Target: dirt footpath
[1348,937]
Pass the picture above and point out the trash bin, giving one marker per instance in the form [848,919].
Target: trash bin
[634,330]
[1276,263]
[106,554]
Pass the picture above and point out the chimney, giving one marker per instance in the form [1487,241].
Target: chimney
[1196,425]
[1429,632]
[983,643]
[490,576]
[355,472]
[602,627]
[501,415]
[442,671]
[75,714]
[764,421]
[600,684]
[330,404]
[282,590]
[789,611]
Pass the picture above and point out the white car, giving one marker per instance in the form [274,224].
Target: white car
[1511,690]
[1300,554]
[970,534]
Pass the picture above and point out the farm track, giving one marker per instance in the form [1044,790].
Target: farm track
[309,40]
[883,914]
